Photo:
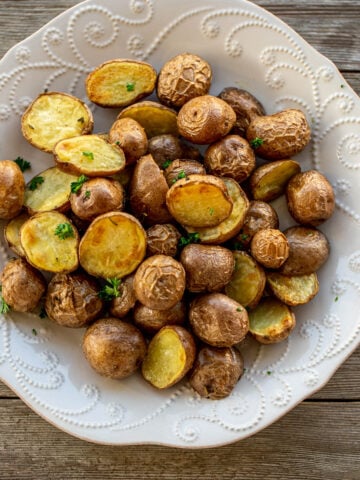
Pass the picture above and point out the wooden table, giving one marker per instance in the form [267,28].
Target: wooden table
[318,439]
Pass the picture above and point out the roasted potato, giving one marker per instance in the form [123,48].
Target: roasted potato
[54,116]
[199,201]
[113,245]
[170,355]
[12,233]
[159,282]
[205,119]
[72,299]
[230,157]
[270,248]
[279,136]
[12,189]
[294,290]
[50,242]
[182,78]
[218,320]
[122,304]
[151,321]
[131,137]
[165,148]
[208,267]
[22,286]
[120,82]
[271,321]
[182,168]
[216,371]
[310,198]
[162,239]
[114,348]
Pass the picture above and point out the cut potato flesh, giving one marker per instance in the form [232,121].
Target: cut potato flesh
[271,321]
[294,290]
[89,155]
[54,116]
[231,226]
[248,280]
[12,233]
[113,245]
[52,194]
[46,250]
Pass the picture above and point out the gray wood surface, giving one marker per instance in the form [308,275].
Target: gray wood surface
[319,439]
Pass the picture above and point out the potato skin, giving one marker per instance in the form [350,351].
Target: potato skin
[22,285]
[151,321]
[270,248]
[183,166]
[208,267]
[218,320]
[162,239]
[120,306]
[114,348]
[12,189]
[131,137]
[216,371]
[165,147]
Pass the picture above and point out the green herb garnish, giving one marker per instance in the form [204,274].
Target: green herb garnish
[81,119]
[211,211]
[336,299]
[238,246]
[4,307]
[268,372]
[35,182]
[257,142]
[191,238]
[34,331]
[64,230]
[75,186]
[110,290]
[89,155]
[130,86]
[239,309]
[166,164]
[23,164]
[87,194]
[179,176]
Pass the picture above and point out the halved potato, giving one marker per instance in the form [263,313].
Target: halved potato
[53,116]
[170,355]
[199,201]
[248,280]
[271,321]
[12,233]
[50,242]
[294,290]
[120,82]
[155,118]
[231,226]
[89,155]
[113,245]
[52,193]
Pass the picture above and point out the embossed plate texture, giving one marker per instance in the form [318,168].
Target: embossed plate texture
[247,47]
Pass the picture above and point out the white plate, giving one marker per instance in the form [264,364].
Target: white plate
[246,47]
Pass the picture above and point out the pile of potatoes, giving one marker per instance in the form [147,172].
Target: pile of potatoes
[169,253]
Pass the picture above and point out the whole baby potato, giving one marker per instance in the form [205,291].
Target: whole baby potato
[114,348]
[205,119]
[151,321]
[121,305]
[279,136]
[310,198]
[208,267]
[162,239]
[12,189]
[182,168]
[164,148]
[269,247]
[131,137]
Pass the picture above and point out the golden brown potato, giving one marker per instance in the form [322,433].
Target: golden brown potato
[216,371]
[162,239]
[208,267]
[131,137]
[151,321]
[113,245]
[310,198]
[279,136]
[294,290]
[159,282]
[270,248]
[120,306]
[308,251]
[12,233]
[269,181]
[114,348]
[230,157]
[54,116]
[148,189]
[72,299]
[245,105]
[97,196]
[271,321]
[22,286]
[12,189]
[199,201]
[183,77]
[170,355]
[183,168]
[120,82]
[155,118]
[205,119]
[218,320]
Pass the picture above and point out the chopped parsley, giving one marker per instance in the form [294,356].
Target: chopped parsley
[190,238]
[342,86]
[34,331]
[75,186]
[166,164]
[268,372]
[336,299]
[179,176]
[118,143]
[110,290]
[64,230]
[130,86]
[87,194]
[89,155]
[211,211]
[35,182]
[256,143]
[81,119]
[4,307]
[238,246]
[23,164]
[239,309]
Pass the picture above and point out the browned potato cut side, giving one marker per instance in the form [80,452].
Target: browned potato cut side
[113,245]
[50,242]
[231,226]
[12,189]
[12,233]
[170,355]
[199,201]
[54,116]
[49,190]
[295,290]
[155,118]
[248,280]
[120,82]
[89,155]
